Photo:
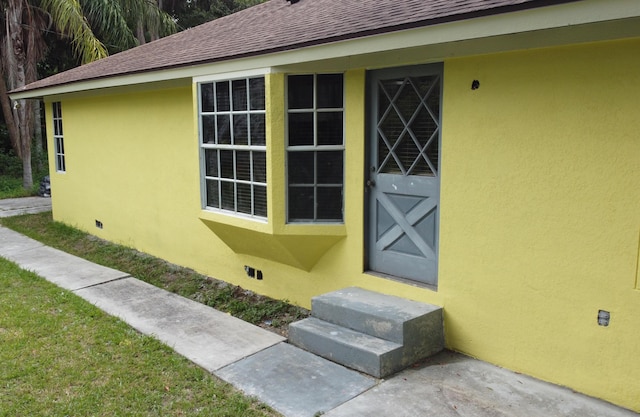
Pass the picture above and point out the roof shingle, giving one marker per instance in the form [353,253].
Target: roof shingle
[278,25]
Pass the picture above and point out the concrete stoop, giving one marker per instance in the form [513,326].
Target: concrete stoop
[371,332]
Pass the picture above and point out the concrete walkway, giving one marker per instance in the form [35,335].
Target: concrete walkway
[292,381]
[14,206]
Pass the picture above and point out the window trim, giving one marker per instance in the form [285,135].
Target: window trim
[315,148]
[58,137]
[227,76]
[249,148]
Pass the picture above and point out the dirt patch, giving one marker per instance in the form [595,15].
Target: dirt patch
[267,313]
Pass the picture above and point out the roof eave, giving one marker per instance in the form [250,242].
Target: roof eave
[471,26]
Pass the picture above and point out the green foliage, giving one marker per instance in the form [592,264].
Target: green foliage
[11,187]
[58,57]
[5,143]
[10,165]
[193,13]
[61,356]
[11,175]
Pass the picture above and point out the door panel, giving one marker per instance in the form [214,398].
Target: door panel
[404,183]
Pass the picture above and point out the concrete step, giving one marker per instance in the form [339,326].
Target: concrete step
[368,331]
[359,351]
[387,317]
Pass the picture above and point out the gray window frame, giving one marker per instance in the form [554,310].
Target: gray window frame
[255,211]
[316,149]
[58,137]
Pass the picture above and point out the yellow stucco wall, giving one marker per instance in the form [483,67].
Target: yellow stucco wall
[126,167]
[539,213]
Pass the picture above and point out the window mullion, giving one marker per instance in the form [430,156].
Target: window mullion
[215,117]
[234,178]
[219,174]
[315,110]
[251,179]
[315,186]
[315,145]
[248,117]
[231,117]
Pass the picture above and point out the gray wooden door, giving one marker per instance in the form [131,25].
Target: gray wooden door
[403,184]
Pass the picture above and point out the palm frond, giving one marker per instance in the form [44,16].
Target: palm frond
[68,18]
[108,18]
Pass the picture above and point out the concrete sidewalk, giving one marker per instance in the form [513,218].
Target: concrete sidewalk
[27,205]
[292,381]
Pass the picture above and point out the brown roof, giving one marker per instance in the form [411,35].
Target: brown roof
[279,25]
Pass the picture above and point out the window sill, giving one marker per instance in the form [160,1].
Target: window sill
[297,245]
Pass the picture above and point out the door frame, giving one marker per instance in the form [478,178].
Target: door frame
[370,149]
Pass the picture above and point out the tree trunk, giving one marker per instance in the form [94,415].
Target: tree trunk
[6,111]
[16,60]
[22,110]
[37,136]
[27,172]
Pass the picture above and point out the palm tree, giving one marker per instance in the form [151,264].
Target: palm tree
[120,24]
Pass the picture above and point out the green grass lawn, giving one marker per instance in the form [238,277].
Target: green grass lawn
[61,356]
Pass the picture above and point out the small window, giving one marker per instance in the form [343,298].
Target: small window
[58,138]
[233,145]
[315,151]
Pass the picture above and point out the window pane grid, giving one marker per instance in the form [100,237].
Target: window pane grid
[232,114]
[315,147]
[58,137]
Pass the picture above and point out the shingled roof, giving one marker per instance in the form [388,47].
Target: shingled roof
[280,25]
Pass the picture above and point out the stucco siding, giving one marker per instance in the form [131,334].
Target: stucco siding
[132,165]
[540,219]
